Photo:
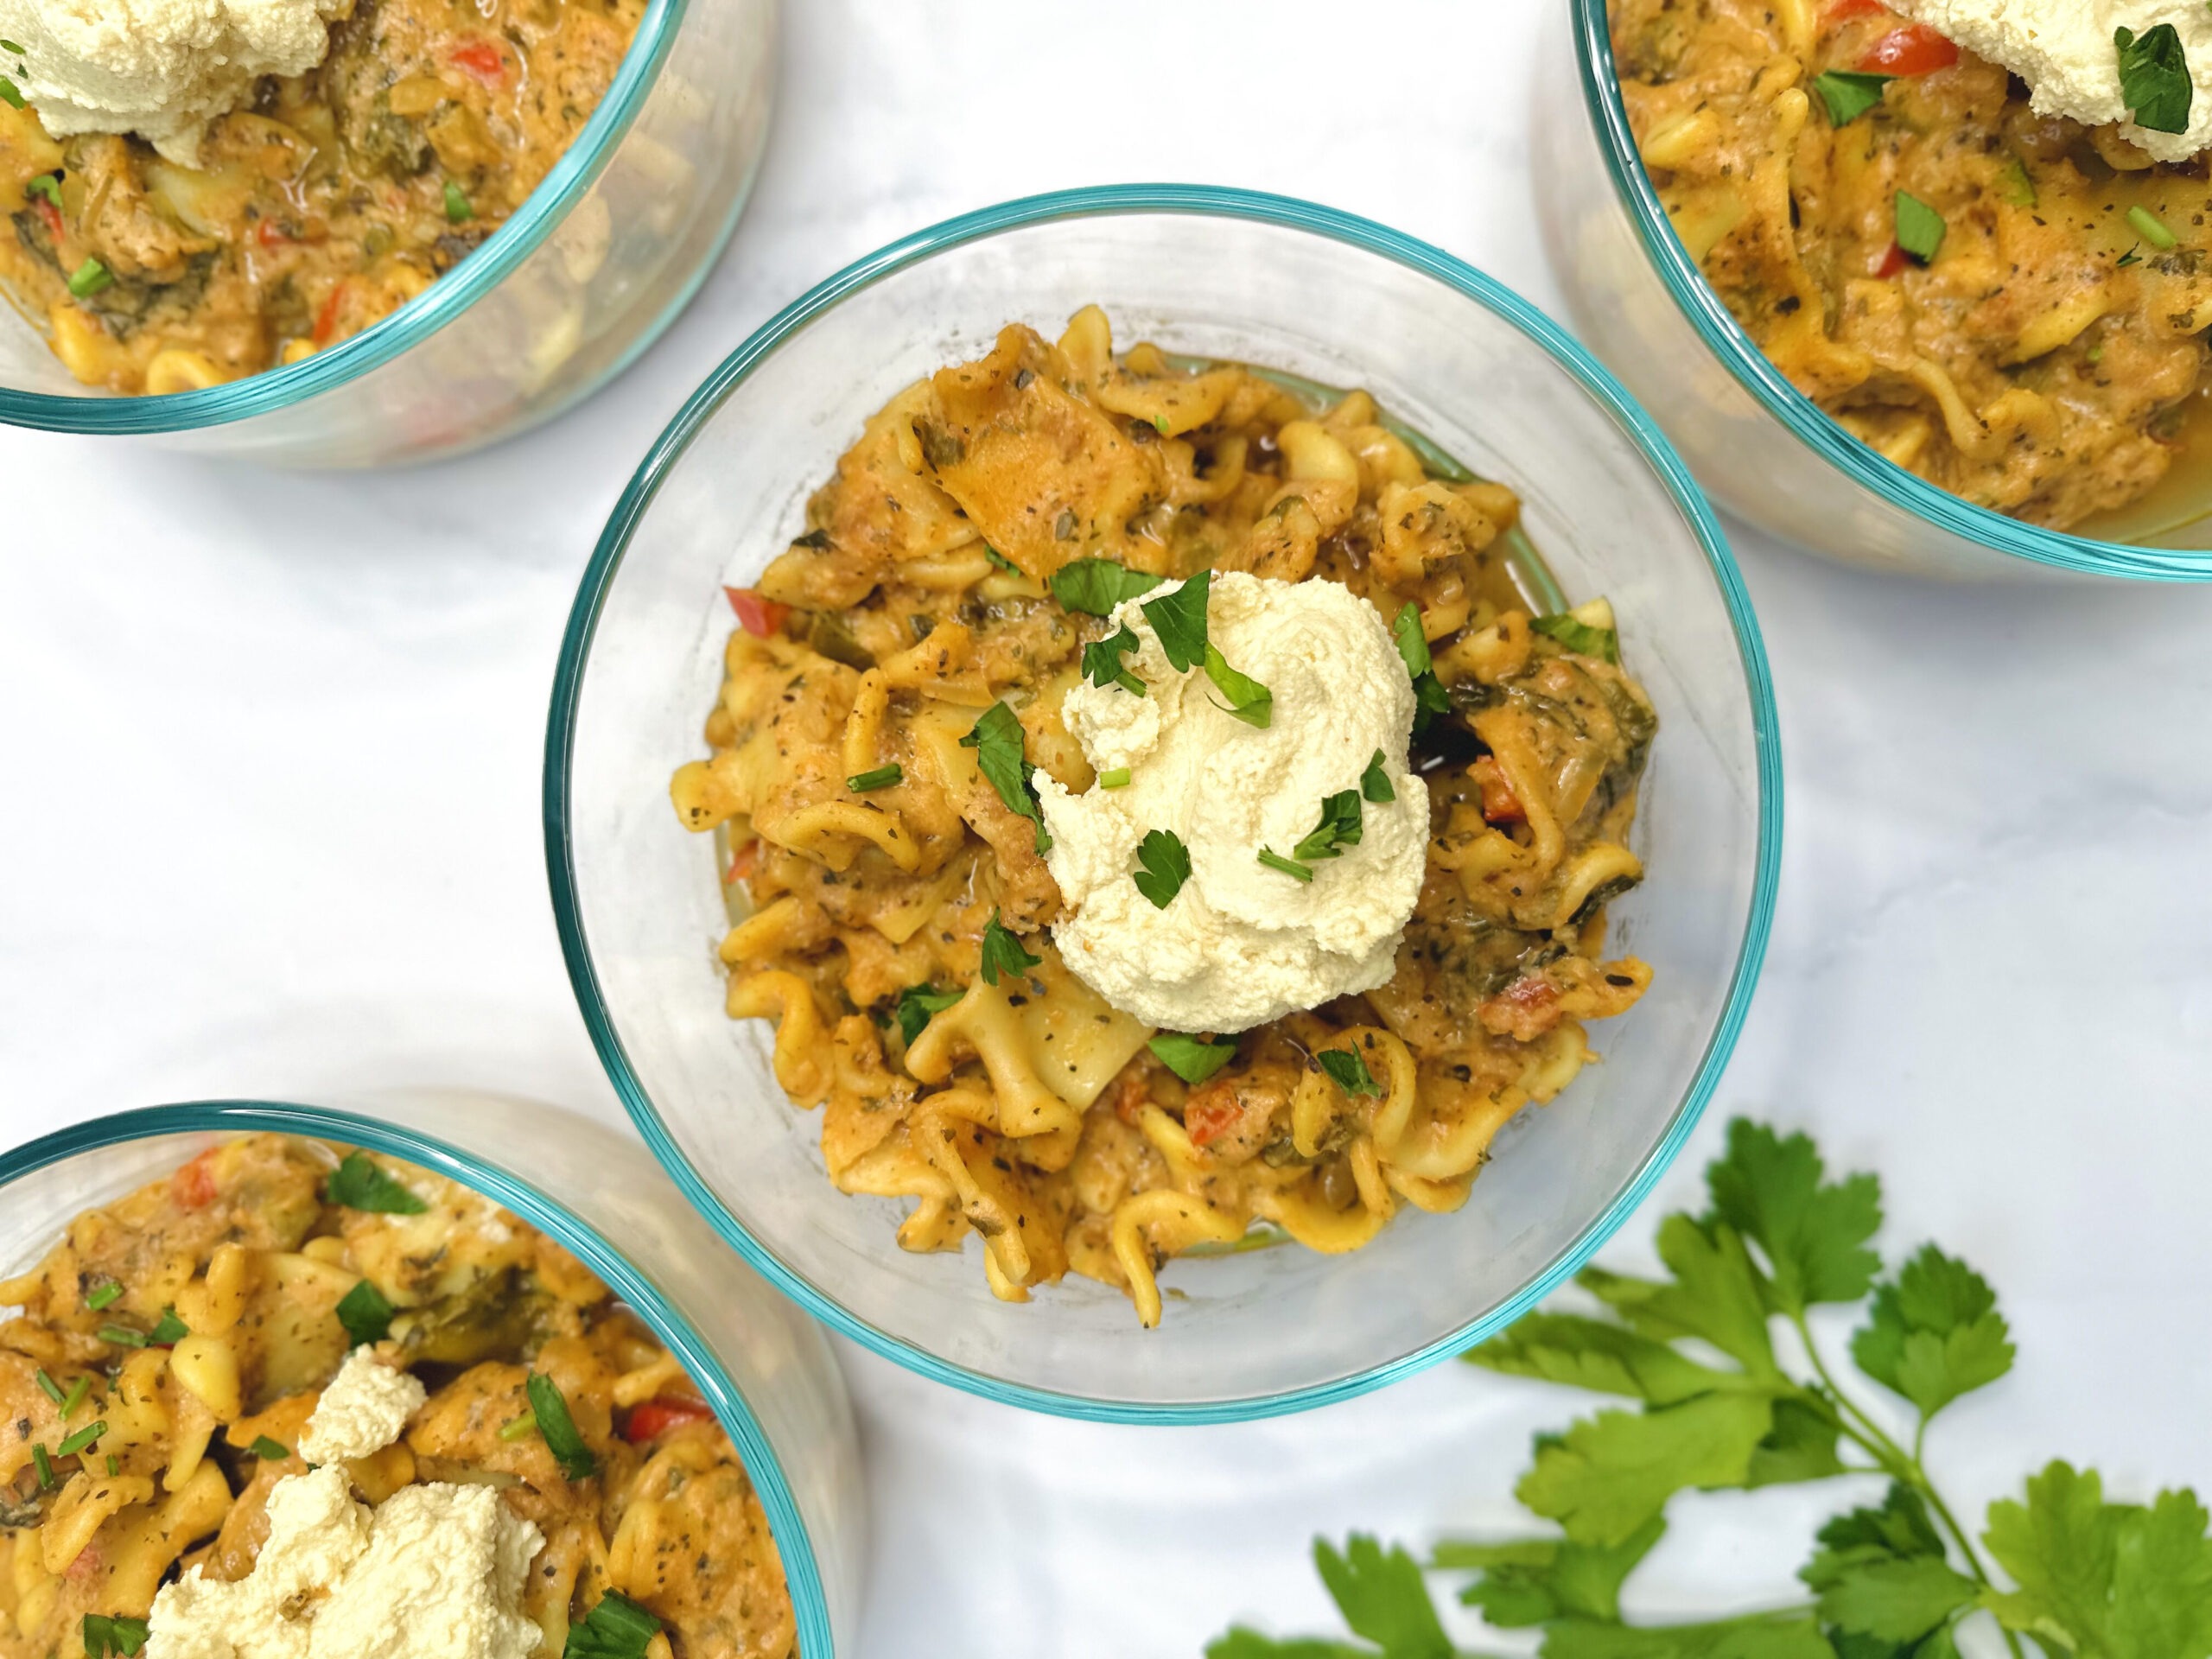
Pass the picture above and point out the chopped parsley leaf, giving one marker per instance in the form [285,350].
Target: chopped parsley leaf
[1002,952]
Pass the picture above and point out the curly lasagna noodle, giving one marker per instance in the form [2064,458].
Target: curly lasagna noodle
[171,1351]
[331,200]
[2010,304]
[893,904]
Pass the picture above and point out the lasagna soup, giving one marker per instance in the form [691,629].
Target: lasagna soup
[2011,304]
[1015,561]
[330,201]
[164,1373]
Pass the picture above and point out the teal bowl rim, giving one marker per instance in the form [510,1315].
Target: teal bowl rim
[1725,337]
[502,252]
[1114,200]
[801,1572]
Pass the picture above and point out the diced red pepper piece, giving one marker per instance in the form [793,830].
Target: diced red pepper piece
[482,60]
[1916,49]
[1500,804]
[743,862]
[326,320]
[1891,263]
[1208,1117]
[758,617]
[51,214]
[194,1186]
[1844,11]
[658,1415]
[271,234]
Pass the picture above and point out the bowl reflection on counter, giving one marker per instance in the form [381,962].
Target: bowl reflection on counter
[765,1369]
[560,299]
[1211,273]
[1765,450]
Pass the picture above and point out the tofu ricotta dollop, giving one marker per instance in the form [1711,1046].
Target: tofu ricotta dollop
[434,1571]
[2064,50]
[1242,941]
[162,69]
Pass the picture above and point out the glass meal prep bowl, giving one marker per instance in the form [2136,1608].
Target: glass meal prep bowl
[1217,274]
[583,276]
[767,1371]
[1764,449]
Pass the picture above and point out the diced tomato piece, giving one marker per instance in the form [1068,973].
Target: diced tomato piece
[1891,263]
[743,862]
[1916,49]
[481,59]
[51,214]
[194,1186]
[757,616]
[658,1415]
[326,320]
[1131,1096]
[1844,11]
[271,234]
[1500,804]
[1211,1117]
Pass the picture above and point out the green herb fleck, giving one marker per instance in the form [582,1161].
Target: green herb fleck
[89,278]
[10,46]
[1849,94]
[2133,257]
[1349,1072]
[357,1184]
[46,185]
[114,1466]
[107,1635]
[563,1438]
[1430,699]
[169,1330]
[1248,701]
[45,1464]
[616,1628]
[1002,952]
[917,1005]
[2151,228]
[457,207]
[82,1438]
[103,1296]
[1374,782]
[2154,79]
[75,1397]
[1192,1059]
[1581,638]
[48,1387]
[1000,559]
[1339,827]
[1103,664]
[1920,227]
[1167,867]
[9,95]
[1095,587]
[879,778]
[121,1335]
[2015,184]
[1275,861]
[366,1314]
[1114,777]
[1179,620]
[516,1429]
[997,738]
[269,1451]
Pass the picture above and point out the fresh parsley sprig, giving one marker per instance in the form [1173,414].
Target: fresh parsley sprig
[997,738]
[1095,587]
[2154,79]
[917,1005]
[1719,1405]
[1103,664]
[1165,866]
[1003,953]
[1430,698]
[357,1184]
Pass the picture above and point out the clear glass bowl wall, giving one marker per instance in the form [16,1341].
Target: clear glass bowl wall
[767,1370]
[1762,448]
[1225,275]
[602,257]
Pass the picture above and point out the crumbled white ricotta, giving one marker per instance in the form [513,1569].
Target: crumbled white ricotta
[362,1411]
[1241,943]
[2063,49]
[434,1571]
[161,68]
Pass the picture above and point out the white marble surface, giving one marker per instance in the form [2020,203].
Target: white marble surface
[269,768]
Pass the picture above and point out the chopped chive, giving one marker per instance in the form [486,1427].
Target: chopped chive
[82,1438]
[75,1397]
[103,1296]
[45,1467]
[562,1438]
[1118,778]
[269,1451]
[9,95]
[114,1466]
[2133,257]
[169,1330]
[48,1387]
[1000,560]
[45,185]
[121,1335]
[2151,227]
[877,777]
[519,1427]
[1275,861]
[10,46]
[89,278]
[457,207]
[1159,424]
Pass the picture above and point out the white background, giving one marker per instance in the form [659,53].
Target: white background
[269,775]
